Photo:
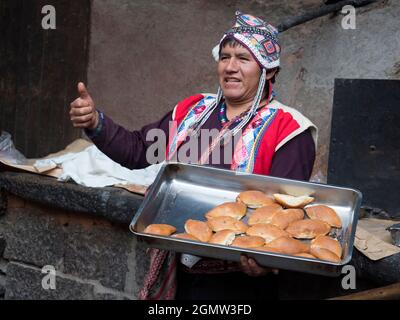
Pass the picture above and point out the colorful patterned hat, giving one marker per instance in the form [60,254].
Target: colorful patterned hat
[256,35]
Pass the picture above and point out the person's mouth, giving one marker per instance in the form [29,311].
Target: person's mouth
[231,80]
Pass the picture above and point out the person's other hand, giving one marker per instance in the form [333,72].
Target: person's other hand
[83,113]
[251,268]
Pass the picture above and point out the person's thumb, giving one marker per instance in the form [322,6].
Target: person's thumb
[83,93]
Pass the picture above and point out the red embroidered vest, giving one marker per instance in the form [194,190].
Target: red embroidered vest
[272,126]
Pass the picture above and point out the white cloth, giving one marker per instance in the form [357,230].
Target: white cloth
[92,168]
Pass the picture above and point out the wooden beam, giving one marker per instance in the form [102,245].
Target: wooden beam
[321,11]
[391,292]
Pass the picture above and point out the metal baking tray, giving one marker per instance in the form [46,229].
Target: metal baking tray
[183,191]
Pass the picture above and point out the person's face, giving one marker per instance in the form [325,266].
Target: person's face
[238,73]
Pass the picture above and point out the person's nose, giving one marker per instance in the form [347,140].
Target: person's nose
[232,65]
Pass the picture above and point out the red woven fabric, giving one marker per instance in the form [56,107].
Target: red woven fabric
[160,280]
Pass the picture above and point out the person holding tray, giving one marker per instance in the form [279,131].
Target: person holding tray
[251,132]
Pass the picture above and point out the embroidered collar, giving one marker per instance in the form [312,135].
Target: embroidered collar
[222,112]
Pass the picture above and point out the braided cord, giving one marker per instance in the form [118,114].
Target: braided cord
[206,114]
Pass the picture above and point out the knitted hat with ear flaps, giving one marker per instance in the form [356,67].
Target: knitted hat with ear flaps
[259,37]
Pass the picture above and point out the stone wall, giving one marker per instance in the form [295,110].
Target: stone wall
[94,257]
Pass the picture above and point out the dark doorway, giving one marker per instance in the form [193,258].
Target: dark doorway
[38,72]
[365,141]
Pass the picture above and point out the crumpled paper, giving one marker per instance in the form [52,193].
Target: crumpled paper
[373,240]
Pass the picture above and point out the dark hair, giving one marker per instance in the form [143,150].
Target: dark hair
[232,42]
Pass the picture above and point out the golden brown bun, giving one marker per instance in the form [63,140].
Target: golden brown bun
[324,213]
[264,214]
[160,229]
[248,242]
[227,223]
[268,249]
[267,231]
[199,229]
[289,201]
[186,236]
[224,237]
[328,243]
[324,254]
[228,209]
[283,218]
[308,229]
[288,245]
[254,199]
[305,255]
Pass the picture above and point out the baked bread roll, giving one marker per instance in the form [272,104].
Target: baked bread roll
[305,255]
[224,237]
[289,201]
[198,229]
[254,199]
[264,214]
[308,229]
[248,242]
[288,245]
[269,249]
[327,243]
[324,213]
[324,254]
[186,236]
[227,223]
[269,232]
[228,209]
[160,229]
[283,218]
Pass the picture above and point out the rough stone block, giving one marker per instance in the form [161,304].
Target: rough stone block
[111,296]
[2,245]
[115,204]
[25,283]
[383,272]
[2,286]
[32,237]
[99,253]
[15,202]
[81,245]
[3,202]
[3,265]
[142,265]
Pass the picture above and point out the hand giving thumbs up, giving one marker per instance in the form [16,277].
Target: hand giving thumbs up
[83,113]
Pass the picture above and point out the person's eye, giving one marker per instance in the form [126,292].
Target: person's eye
[223,58]
[244,58]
